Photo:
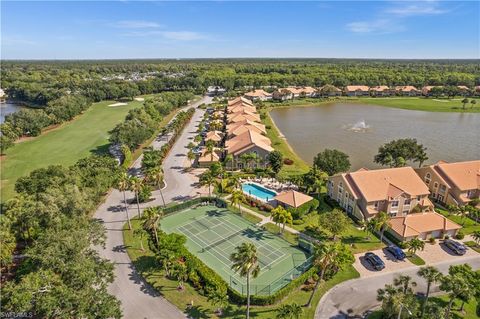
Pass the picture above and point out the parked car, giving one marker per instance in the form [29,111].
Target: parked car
[197,150]
[396,252]
[375,261]
[455,246]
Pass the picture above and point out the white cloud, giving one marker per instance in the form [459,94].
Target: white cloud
[381,26]
[136,24]
[170,35]
[417,8]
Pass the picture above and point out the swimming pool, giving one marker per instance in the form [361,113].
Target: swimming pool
[258,191]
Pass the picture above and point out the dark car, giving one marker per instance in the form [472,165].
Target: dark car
[375,261]
[455,246]
[396,252]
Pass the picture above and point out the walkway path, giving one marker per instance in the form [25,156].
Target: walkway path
[139,300]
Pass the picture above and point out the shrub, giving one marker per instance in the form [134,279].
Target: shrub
[268,127]
[304,209]
[432,240]
[298,222]
[460,235]
[287,161]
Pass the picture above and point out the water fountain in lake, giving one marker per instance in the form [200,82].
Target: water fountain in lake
[358,127]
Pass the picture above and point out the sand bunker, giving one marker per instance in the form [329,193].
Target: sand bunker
[118,104]
[140,99]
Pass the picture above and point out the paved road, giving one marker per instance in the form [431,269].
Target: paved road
[359,295]
[139,300]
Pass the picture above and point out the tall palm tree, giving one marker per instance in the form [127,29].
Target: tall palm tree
[123,184]
[245,261]
[210,148]
[207,179]
[136,185]
[329,256]
[237,198]
[455,286]
[432,276]
[151,218]
[405,283]
[229,159]
[191,155]
[382,222]
[282,217]
[157,177]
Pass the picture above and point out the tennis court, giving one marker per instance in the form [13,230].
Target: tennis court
[212,235]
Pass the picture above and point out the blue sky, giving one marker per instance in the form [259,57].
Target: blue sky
[149,29]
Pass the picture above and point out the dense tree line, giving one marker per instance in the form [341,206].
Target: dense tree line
[141,123]
[61,275]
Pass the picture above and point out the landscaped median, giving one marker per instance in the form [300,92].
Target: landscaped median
[147,263]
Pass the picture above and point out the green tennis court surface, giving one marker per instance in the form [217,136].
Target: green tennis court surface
[212,235]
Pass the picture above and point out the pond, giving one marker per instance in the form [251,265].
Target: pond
[359,130]
[8,108]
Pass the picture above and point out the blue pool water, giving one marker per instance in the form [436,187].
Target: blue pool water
[258,191]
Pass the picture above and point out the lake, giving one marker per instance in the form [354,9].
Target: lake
[359,130]
[7,108]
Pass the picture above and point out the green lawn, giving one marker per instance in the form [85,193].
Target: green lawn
[299,166]
[423,104]
[288,236]
[468,224]
[473,245]
[416,260]
[147,266]
[64,145]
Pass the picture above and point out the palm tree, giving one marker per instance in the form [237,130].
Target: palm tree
[140,232]
[180,272]
[281,216]
[237,198]
[217,298]
[465,102]
[136,185]
[405,282]
[245,261]
[123,184]
[391,299]
[290,311]
[244,158]
[476,237]
[455,286]
[415,244]
[210,148]
[432,276]
[151,218]
[207,179]
[191,155]
[329,256]
[229,159]
[157,177]
[382,222]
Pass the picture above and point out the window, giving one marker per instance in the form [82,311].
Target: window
[376,205]
[395,203]
[419,198]
[392,214]
[428,178]
[405,212]
[435,185]
[443,188]
[407,201]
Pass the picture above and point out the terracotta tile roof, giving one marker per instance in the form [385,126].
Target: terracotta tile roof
[243,128]
[382,183]
[206,158]
[463,175]
[353,88]
[215,136]
[244,116]
[244,141]
[240,99]
[241,108]
[380,88]
[405,88]
[415,224]
[293,198]
[331,87]
[233,126]
[258,93]
[427,88]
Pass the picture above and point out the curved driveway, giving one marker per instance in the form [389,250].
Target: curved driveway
[357,296]
[138,299]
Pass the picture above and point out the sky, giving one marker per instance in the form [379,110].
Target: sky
[221,29]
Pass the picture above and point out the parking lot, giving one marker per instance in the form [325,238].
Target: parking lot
[391,263]
[439,252]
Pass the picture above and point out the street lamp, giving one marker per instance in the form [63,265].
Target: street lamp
[401,309]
